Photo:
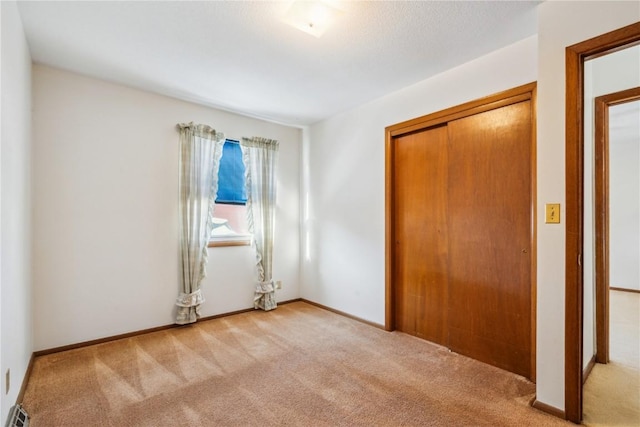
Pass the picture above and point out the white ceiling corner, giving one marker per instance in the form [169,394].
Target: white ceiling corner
[239,55]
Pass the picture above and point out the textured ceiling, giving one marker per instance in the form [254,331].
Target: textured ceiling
[240,57]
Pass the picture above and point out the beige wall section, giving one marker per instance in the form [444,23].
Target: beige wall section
[15,208]
[106,204]
[560,24]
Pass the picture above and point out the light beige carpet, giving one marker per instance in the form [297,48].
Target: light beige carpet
[298,365]
[612,396]
[612,391]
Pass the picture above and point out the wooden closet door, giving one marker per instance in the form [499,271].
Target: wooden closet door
[490,229]
[420,210]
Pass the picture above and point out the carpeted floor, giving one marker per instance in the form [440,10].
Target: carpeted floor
[298,365]
[612,391]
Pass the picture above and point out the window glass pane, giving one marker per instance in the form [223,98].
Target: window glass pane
[231,188]
[230,219]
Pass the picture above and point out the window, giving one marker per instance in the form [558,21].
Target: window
[231,188]
[229,222]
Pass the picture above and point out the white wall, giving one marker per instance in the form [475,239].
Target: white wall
[560,24]
[15,209]
[344,162]
[105,210]
[604,75]
[624,198]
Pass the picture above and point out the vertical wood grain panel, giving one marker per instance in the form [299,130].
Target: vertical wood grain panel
[490,237]
[420,206]
[601,151]
[404,312]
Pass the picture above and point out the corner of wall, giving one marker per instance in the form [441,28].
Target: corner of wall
[304,210]
[16,337]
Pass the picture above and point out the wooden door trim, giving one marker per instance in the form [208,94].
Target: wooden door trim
[508,97]
[634,291]
[491,102]
[602,104]
[575,56]
[534,230]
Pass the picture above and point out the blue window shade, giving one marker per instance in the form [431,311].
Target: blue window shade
[231,189]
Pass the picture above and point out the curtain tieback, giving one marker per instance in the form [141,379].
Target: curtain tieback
[190,300]
[265,287]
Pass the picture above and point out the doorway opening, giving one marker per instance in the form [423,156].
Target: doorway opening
[612,195]
[576,56]
[611,392]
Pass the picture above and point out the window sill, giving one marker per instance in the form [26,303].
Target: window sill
[230,241]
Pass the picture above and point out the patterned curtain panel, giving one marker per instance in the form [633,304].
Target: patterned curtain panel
[200,152]
[260,157]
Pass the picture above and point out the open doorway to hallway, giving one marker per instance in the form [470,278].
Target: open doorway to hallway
[612,390]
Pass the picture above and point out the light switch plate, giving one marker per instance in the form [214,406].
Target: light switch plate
[552,213]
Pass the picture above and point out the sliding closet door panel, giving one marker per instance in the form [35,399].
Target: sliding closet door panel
[490,237]
[420,204]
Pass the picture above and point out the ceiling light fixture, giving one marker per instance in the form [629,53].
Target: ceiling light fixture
[312,17]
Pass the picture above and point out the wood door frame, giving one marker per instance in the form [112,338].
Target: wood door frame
[575,56]
[602,104]
[501,99]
